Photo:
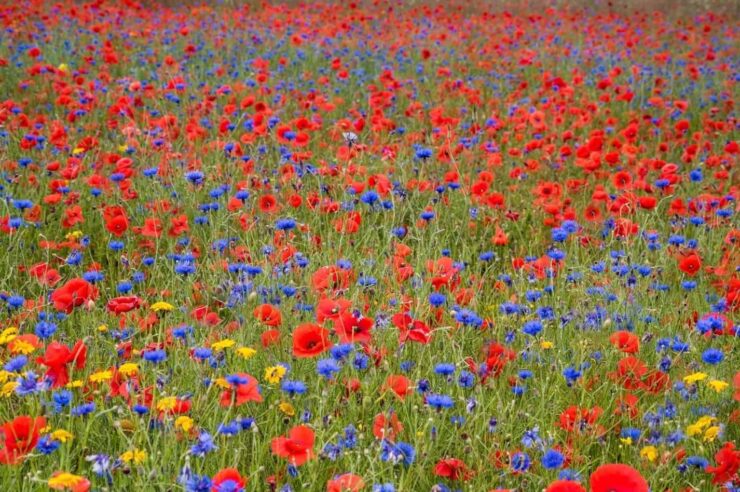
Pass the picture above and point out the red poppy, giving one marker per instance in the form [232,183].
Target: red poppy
[178,225]
[152,228]
[230,475]
[627,342]
[387,426]
[310,340]
[351,329]
[297,448]
[115,219]
[268,314]
[331,308]
[245,389]
[452,469]
[58,356]
[123,304]
[268,204]
[565,486]
[45,275]
[74,293]
[574,418]
[398,384]
[270,337]
[411,329]
[728,464]
[690,265]
[347,482]
[617,478]
[19,437]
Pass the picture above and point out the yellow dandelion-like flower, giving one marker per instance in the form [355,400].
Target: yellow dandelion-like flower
[5,376]
[74,235]
[22,347]
[78,151]
[699,426]
[626,440]
[65,480]
[246,352]
[166,404]
[161,306]
[62,435]
[136,455]
[546,345]
[63,67]
[8,335]
[274,374]
[101,376]
[222,383]
[649,452]
[102,328]
[711,433]
[717,385]
[129,369]
[223,344]
[184,422]
[77,383]
[287,408]
[8,388]
[694,378]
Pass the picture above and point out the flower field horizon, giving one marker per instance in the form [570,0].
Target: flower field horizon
[373,245]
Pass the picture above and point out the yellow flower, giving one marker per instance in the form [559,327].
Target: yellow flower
[546,345]
[22,347]
[129,369]
[103,328]
[74,235]
[78,151]
[711,433]
[184,422]
[122,148]
[62,435]
[5,375]
[63,67]
[222,383]
[65,480]
[274,374]
[695,377]
[8,388]
[136,455]
[75,384]
[44,430]
[223,344]
[161,306]
[649,452]
[626,440]
[287,408]
[717,385]
[101,376]
[166,403]
[8,335]
[699,426]
[246,352]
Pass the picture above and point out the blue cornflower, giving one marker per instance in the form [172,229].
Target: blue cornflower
[552,459]
[438,402]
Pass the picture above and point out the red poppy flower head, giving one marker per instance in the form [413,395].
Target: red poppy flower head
[565,486]
[617,477]
[310,340]
[228,479]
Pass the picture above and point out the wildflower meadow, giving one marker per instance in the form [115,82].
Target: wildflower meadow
[375,245]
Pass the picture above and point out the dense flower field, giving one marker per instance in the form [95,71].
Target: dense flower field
[368,247]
